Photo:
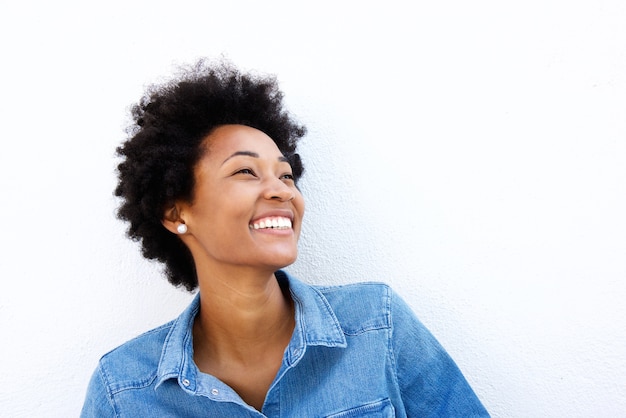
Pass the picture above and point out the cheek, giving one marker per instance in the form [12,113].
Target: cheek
[299,204]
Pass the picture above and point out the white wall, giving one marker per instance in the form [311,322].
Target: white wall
[471,154]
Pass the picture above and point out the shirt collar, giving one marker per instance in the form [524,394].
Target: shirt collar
[177,355]
[315,319]
[316,324]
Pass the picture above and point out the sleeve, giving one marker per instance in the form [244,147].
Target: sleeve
[98,402]
[430,382]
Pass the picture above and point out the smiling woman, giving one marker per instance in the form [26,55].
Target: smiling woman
[208,185]
[242,186]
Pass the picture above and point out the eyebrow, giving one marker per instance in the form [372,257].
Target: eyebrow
[282,158]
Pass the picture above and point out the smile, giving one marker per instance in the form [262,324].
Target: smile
[278,222]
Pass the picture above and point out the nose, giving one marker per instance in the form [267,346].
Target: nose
[277,190]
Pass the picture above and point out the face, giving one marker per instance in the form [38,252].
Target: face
[246,211]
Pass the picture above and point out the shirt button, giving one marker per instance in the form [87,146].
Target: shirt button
[215,392]
[185,382]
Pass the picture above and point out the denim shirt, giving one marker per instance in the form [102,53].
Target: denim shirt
[356,351]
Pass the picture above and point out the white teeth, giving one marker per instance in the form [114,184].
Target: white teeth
[274,223]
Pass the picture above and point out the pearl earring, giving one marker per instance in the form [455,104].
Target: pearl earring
[182,228]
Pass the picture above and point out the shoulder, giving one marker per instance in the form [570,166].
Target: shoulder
[361,306]
[136,361]
[370,292]
[370,305]
[132,365]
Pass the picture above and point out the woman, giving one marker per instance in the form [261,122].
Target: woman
[208,182]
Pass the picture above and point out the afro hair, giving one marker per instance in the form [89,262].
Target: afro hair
[165,142]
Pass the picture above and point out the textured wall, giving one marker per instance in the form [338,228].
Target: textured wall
[471,154]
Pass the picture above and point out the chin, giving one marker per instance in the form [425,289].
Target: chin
[279,262]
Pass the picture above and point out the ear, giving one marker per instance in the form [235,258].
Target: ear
[172,218]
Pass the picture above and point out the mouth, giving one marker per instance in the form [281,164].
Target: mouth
[272,222]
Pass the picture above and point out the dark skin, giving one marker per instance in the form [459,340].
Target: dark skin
[243,185]
[245,351]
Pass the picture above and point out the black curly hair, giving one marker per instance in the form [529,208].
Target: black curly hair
[166,141]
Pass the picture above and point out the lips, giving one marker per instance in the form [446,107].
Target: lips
[271,222]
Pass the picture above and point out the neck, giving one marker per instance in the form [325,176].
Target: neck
[240,317]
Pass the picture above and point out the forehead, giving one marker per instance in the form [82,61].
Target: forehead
[227,140]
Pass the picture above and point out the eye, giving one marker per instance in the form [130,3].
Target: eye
[288,178]
[246,171]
